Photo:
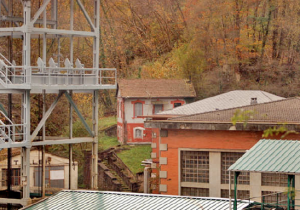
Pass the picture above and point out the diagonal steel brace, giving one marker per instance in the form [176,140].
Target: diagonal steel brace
[79,114]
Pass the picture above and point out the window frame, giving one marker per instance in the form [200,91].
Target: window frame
[182,102]
[244,177]
[188,172]
[153,110]
[14,177]
[135,102]
[48,176]
[134,132]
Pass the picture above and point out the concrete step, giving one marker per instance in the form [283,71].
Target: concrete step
[125,188]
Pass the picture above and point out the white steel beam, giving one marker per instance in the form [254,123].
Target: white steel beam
[13,201]
[63,141]
[12,29]
[40,11]
[86,15]
[25,173]
[62,31]
[20,19]
[14,145]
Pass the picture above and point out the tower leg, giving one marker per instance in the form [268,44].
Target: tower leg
[25,151]
[25,154]
[95,143]
[70,145]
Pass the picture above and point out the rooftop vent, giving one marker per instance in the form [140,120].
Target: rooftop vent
[253,101]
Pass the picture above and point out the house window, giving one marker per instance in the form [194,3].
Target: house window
[54,176]
[269,179]
[15,177]
[138,109]
[195,166]
[241,194]
[191,191]
[138,133]
[229,158]
[157,108]
[177,105]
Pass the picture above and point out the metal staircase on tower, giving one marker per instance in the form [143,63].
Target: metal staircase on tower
[23,20]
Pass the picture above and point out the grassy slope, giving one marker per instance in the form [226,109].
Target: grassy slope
[107,121]
[106,142]
[133,158]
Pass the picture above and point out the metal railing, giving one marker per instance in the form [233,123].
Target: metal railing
[276,200]
[12,75]
[10,132]
[47,76]
[73,76]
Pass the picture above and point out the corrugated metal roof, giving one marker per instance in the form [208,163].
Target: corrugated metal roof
[228,100]
[280,156]
[116,200]
[282,111]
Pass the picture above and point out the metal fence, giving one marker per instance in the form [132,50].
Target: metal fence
[46,76]
[10,132]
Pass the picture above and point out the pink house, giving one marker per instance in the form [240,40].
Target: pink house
[138,98]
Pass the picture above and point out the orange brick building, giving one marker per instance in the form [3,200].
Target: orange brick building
[191,154]
[138,97]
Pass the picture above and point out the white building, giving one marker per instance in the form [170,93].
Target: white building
[145,97]
[57,172]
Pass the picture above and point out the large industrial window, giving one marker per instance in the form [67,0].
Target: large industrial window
[270,179]
[241,194]
[274,197]
[15,177]
[195,166]
[229,158]
[138,109]
[192,191]
[54,176]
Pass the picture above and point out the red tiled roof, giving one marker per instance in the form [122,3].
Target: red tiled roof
[156,88]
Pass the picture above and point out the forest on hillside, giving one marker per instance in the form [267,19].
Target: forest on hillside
[220,45]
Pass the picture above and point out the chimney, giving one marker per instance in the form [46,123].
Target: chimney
[253,101]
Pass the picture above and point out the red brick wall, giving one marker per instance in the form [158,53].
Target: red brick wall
[155,181]
[234,140]
[130,133]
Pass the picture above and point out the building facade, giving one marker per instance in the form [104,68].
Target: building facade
[137,99]
[57,173]
[191,154]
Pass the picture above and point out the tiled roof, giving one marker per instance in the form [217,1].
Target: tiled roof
[155,88]
[119,200]
[280,156]
[282,111]
[228,100]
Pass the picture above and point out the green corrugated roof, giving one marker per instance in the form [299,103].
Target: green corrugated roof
[278,156]
[117,200]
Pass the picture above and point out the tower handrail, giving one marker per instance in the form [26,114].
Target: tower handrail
[2,56]
[10,132]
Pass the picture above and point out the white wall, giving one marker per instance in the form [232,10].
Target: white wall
[147,108]
[35,155]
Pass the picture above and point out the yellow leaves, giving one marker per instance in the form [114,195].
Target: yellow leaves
[242,116]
